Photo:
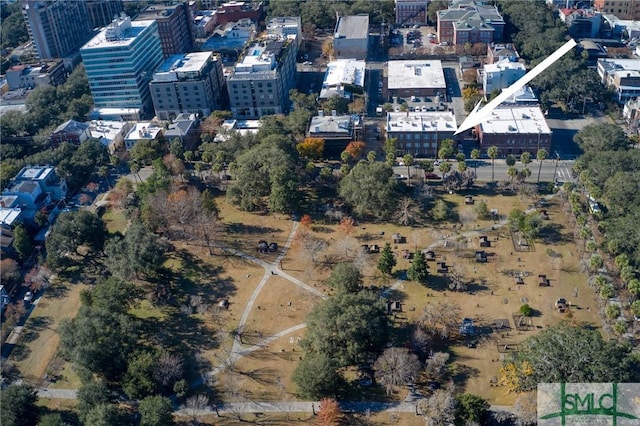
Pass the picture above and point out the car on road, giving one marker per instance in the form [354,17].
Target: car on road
[307,63]
[432,176]
[28,297]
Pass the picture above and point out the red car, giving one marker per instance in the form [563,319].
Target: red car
[432,176]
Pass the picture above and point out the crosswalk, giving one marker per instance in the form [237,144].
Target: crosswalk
[564,174]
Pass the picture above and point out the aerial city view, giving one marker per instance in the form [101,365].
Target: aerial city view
[320,212]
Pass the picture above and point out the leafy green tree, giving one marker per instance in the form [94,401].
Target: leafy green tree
[18,406]
[92,394]
[510,160]
[526,310]
[111,294]
[492,152]
[612,311]
[445,168]
[447,149]
[345,277]
[408,161]
[82,163]
[471,409]
[635,308]
[177,148]
[440,211]
[475,155]
[74,238]
[387,260]
[482,210]
[601,137]
[347,327]
[137,254]
[138,381]
[105,415]
[22,242]
[156,411]
[52,419]
[317,376]
[568,353]
[145,151]
[418,270]
[98,341]
[336,103]
[370,188]
[525,158]
[284,197]
[634,286]
[541,155]
[14,29]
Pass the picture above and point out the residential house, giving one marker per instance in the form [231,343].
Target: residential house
[241,127]
[497,52]
[336,130]
[142,131]
[70,131]
[46,178]
[514,130]
[501,75]
[420,133]
[343,77]
[10,212]
[631,113]
[416,78]
[621,75]
[468,21]
[351,37]
[186,129]
[110,133]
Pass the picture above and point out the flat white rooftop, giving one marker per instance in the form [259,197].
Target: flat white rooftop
[420,74]
[352,26]
[108,130]
[503,65]
[526,119]
[430,121]
[9,215]
[124,36]
[36,172]
[185,63]
[344,71]
[143,130]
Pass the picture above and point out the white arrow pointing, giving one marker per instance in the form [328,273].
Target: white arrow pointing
[476,117]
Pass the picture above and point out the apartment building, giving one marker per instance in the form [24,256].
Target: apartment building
[621,75]
[188,83]
[411,12]
[342,77]
[351,37]
[420,133]
[102,12]
[623,9]
[175,27]
[468,21]
[56,27]
[260,81]
[501,75]
[120,61]
[416,78]
[33,75]
[514,130]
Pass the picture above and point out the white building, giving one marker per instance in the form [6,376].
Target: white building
[501,75]
[241,127]
[420,133]
[342,75]
[416,78]
[514,130]
[110,133]
[351,37]
[142,131]
[621,75]
[286,26]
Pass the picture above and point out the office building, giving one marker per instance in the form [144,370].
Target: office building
[420,133]
[102,12]
[120,61]
[411,12]
[515,130]
[416,78]
[260,82]
[175,27]
[469,22]
[351,37]
[190,83]
[56,27]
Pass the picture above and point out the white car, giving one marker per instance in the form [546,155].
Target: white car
[424,108]
[307,63]
[28,297]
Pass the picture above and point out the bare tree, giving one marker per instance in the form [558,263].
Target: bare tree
[436,364]
[421,342]
[395,367]
[196,405]
[363,261]
[329,413]
[468,216]
[310,244]
[441,319]
[37,278]
[407,212]
[169,368]
[439,409]
[349,245]
[457,281]
[525,409]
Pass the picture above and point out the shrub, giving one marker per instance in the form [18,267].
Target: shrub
[526,310]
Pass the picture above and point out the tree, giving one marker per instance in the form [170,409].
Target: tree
[601,137]
[336,103]
[408,161]
[138,254]
[75,237]
[541,155]
[9,272]
[22,242]
[396,367]
[156,411]
[471,409]
[355,149]
[439,408]
[569,353]
[311,148]
[447,149]
[482,210]
[475,155]
[103,172]
[18,406]
[347,327]
[445,168]
[317,376]
[510,160]
[418,270]
[346,278]
[112,295]
[52,419]
[526,310]
[138,382]
[105,415]
[169,369]
[525,408]
[492,152]
[144,151]
[98,341]
[440,211]
[387,260]
[441,319]
[329,413]
[92,394]
[370,188]
[525,158]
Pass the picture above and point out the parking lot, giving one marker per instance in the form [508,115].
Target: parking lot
[419,41]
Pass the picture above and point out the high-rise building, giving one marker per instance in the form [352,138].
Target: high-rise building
[188,83]
[260,82]
[623,9]
[102,12]
[175,27]
[120,61]
[56,27]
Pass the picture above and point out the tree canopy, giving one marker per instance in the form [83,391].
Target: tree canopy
[346,278]
[370,188]
[317,376]
[18,406]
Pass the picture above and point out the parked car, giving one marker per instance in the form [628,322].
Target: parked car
[28,297]
[432,176]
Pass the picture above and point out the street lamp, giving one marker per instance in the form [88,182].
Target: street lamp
[556,168]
